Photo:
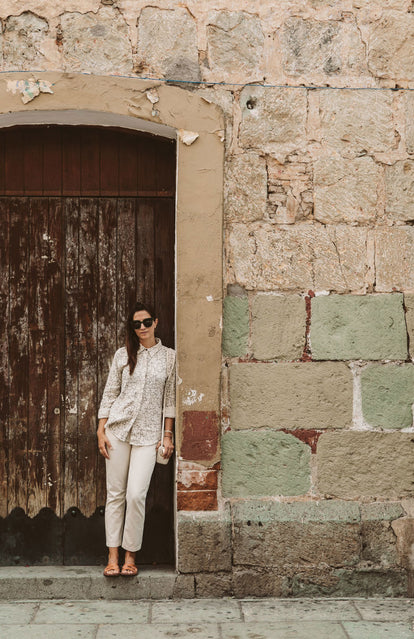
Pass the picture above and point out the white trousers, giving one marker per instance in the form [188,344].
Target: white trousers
[128,475]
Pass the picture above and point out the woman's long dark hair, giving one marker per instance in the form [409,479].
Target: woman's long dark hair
[132,341]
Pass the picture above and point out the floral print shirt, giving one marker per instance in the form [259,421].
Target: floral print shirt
[133,403]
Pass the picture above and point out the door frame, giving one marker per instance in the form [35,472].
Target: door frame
[198,126]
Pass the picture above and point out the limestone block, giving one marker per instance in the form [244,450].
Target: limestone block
[409,319]
[394,258]
[346,190]
[304,395]
[399,185]
[273,120]
[404,529]
[352,465]
[356,122]
[213,530]
[235,325]
[311,46]
[218,584]
[358,327]
[167,43]
[388,395]
[409,121]
[235,46]
[23,36]
[278,326]
[345,582]
[245,188]
[390,46]
[290,190]
[96,42]
[264,463]
[306,256]
[379,543]
[322,534]
[259,582]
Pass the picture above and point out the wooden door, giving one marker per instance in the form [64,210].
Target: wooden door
[87,228]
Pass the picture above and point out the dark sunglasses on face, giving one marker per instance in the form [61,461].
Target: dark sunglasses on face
[147,322]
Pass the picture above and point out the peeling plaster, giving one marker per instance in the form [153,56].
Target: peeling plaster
[29,89]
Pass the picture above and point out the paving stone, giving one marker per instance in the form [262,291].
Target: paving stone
[286,395]
[51,631]
[278,326]
[284,630]
[399,191]
[366,327]
[192,611]
[264,463]
[388,395]
[18,613]
[92,612]
[351,465]
[268,257]
[235,326]
[316,610]
[357,122]
[152,631]
[235,45]
[346,190]
[374,630]
[385,609]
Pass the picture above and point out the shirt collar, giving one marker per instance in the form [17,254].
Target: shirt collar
[152,350]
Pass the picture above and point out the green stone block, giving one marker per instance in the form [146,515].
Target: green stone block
[366,327]
[329,510]
[235,326]
[264,463]
[381,511]
[387,395]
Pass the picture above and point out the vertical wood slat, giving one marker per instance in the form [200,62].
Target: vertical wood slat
[106,312]
[14,165]
[128,166]
[33,162]
[145,251]
[164,275]
[109,163]
[55,360]
[4,352]
[126,283]
[71,363]
[71,176]
[18,350]
[2,162]
[89,160]
[38,352]
[87,396]
[52,160]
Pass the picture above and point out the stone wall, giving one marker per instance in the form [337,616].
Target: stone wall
[314,491]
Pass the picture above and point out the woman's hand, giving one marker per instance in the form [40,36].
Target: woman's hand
[103,443]
[168,446]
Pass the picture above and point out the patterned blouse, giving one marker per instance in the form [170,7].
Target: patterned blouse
[133,403]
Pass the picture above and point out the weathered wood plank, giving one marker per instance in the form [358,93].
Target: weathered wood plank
[106,311]
[126,282]
[164,269]
[52,160]
[18,350]
[38,352]
[4,351]
[145,251]
[128,166]
[55,370]
[33,162]
[71,176]
[2,162]
[88,288]
[13,166]
[109,163]
[71,365]
[89,159]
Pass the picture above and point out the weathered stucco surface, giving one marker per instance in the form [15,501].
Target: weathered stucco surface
[315,235]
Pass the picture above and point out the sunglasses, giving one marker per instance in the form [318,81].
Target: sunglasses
[147,322]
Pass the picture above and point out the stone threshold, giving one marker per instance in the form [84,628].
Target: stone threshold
[88,582]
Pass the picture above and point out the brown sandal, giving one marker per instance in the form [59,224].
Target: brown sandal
[112,570]
[129,570]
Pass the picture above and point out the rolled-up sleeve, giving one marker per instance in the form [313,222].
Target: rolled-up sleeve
[112,388]
[170,385]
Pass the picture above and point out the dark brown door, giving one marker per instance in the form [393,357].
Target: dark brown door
[87,228]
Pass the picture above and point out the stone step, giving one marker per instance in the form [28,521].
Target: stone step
[87,582]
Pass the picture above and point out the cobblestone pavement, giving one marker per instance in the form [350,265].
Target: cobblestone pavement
[209,619]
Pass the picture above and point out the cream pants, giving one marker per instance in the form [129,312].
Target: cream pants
[128,475]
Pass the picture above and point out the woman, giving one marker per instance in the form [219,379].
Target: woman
[139,393]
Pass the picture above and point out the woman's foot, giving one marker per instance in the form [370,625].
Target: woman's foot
[112,570]
[129,568]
